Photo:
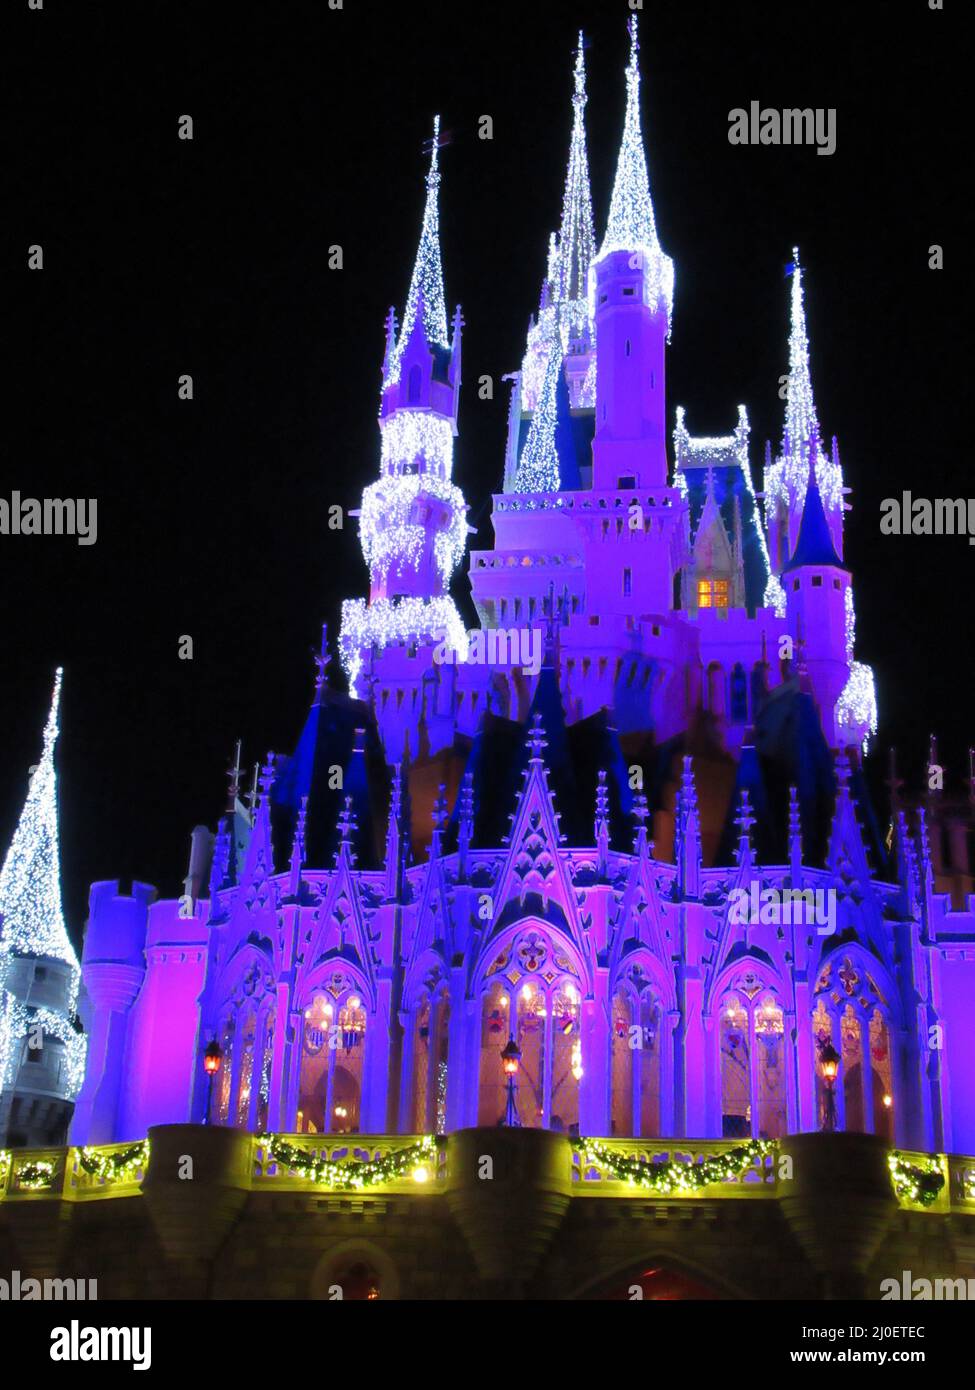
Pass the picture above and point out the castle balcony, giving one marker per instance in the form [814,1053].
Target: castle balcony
[415,1216]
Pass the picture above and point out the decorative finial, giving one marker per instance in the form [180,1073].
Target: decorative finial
[233,775]
[347,822]
[536,738]
[440,809]
[267,774]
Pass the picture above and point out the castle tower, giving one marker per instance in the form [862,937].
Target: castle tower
[413,520]
[632,288]
[816,586]
[42,1049]
[786,479]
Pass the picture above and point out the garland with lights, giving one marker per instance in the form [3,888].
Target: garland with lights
[678,1175]
[407,619]
[354,1174]
[120,1166]
[913,1182]
[36,1175]
[6,1158]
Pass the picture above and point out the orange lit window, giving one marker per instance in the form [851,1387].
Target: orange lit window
[712,593]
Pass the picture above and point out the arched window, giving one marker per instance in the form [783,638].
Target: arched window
[333,1047]
[414,386]
[852,1015]
[716,690]
[248,1039]
[430,1063]
[264,1082]
[753,1073]
[621,1071]
[226,1040]
[532,994]
[739,694]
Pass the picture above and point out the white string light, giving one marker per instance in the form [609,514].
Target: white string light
[405,619]
[631,226]
[391,532]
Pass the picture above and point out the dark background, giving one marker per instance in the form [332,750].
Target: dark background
[164,257]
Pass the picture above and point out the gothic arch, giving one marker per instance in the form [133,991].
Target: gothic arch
[621,1276]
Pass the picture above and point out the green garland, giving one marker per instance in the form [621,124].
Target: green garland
[677,1175]
[35,1176]
[5,1159]
[120,1166]
[913,1183]
[354,1173]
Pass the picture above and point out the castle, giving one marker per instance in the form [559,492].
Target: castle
[648,858]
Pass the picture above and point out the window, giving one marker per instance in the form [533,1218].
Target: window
[627,583]
[627,347]
[629,481]
[333,1044]
[817,581]
[851,1015]
[415,385]
[752,1040]
[532,997]
[629,290]
[712,593]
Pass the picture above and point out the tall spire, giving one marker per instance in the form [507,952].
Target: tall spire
[426,292]
[802,455]
[576,245]
[30,881]
[538,467]
[631,225]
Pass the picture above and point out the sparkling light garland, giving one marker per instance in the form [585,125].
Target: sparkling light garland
[123,1165]
[17,1020]
[631,226]
[30,881]
[678,1175]
[396,620]
[390,535]
[915,1183]
[786,479]
[36,1175]
[538,467]
[427,278]
[417,439]
[354,1174]
[856,709]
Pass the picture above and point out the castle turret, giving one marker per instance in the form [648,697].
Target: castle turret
[42,1049]
[413,520]
[632,288]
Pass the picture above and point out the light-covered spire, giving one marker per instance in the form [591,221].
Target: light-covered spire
[538,467]
[631,225]
[787,478]
[30,881]
[426,292]
[577,242]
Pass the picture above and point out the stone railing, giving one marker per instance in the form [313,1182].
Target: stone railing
[629,1168]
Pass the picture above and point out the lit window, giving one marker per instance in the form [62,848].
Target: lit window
[627,583]
[712,593]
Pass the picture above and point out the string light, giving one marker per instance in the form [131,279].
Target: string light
[427,278]
[538,468]
[30,882]
[391,533]
[916,1182]
[351,1173]
[678,1175]
[417,439]
[406,619]
[787,478]
[631,226]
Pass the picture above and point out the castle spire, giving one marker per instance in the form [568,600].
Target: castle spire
[601,829]
[631,225]
[31,911]
[538,467]
[576,243]
[425,298]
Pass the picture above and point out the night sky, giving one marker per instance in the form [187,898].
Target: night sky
[210,257]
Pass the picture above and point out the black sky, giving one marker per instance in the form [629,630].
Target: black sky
[164,257]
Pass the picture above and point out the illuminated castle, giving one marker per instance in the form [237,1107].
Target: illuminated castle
[473,847]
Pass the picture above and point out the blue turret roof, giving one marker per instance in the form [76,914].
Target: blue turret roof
[815,543]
